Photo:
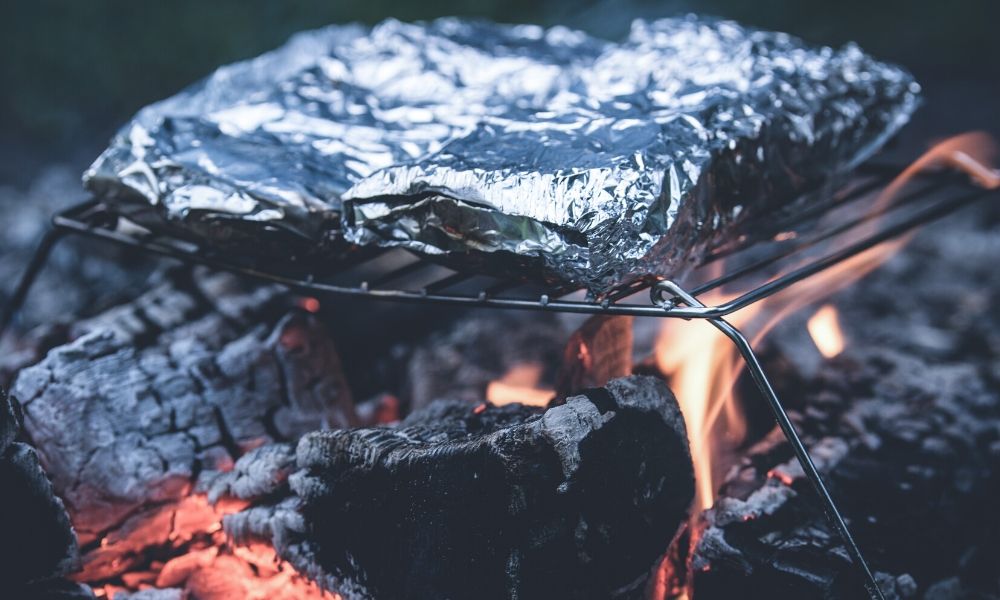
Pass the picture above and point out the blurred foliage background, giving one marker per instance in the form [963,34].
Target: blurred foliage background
[72,71]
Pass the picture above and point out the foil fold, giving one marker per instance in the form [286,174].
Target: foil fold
[542,153]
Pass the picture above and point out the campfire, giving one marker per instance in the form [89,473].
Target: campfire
[163,528]
[241,427]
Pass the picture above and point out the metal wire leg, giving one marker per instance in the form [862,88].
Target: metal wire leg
[757,372]
[38,260]
[829,507]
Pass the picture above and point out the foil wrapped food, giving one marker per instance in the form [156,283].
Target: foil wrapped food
[545,153]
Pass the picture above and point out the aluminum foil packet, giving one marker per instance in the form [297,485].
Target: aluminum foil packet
[542,153]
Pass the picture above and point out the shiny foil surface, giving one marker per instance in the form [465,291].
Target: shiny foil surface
[543,153]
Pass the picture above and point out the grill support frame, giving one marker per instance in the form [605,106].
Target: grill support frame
[667,299]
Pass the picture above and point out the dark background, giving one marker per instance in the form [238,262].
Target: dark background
[74,71]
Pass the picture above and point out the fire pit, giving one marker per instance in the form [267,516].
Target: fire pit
[205,391]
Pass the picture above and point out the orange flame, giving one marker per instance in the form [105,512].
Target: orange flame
[703,365]
[824,328]
[519,384]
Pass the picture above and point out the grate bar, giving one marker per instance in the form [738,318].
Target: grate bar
[399,273]
[92,219]
[447,282]
[813,241]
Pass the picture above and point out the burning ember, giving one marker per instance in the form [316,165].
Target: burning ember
[200,563]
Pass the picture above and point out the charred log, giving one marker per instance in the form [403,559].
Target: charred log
[577,501]
[188,376]
[599,351]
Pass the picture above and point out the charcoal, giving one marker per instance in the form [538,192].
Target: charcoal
[514,501]
[146,395]
[37,542]
[913,449]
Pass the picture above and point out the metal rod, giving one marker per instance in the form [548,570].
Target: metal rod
[757,372]
[776,285]
[38,260]
[484,300]
[826,500]
[79,219]
[813,241]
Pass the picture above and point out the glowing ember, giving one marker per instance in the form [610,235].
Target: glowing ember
[310,304]
[519,384]
[824,328]
[202,564]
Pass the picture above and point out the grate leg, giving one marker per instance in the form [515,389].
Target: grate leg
[35,265]
[757,372]
[829,507]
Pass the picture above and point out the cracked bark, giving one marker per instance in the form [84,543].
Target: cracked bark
[188,376]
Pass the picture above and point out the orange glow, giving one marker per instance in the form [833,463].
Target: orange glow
[703,365]
[519,384]
[824,328]
[309,304]
[205,566]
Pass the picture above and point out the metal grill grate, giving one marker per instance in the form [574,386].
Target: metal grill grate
[758,270]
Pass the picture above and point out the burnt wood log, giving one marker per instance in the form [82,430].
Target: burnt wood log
[908,448]
[188,376]
[598,351]
[577,501]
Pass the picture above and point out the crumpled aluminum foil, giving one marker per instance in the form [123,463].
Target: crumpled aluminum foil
[539,152]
